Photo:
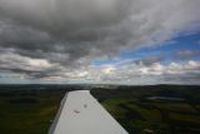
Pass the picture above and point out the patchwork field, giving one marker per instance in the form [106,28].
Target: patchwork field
[132,108]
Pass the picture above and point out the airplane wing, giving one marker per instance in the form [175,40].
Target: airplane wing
[81,113]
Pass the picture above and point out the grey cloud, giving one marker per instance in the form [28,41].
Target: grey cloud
[70,34]
[187,54]
[67,18]
[188,78]
[150,60]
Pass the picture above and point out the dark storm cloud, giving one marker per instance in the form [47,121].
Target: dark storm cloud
[65,35]
[71,20]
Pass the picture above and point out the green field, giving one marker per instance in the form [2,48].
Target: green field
[30,109]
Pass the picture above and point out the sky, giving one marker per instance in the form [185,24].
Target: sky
[131,42]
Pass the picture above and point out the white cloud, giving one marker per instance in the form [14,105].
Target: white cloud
[10,60]
[132,73]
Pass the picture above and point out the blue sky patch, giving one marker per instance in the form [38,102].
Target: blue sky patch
[167,50]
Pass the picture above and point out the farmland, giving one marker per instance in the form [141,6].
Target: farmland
[138,114]
[30,109]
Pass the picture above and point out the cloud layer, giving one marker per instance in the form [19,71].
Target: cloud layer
[44,39]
